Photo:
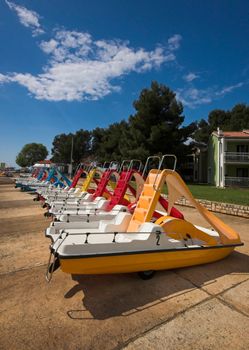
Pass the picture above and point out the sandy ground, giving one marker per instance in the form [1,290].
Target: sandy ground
[204,307]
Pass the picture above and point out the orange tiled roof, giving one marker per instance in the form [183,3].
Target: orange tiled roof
[235,134]
[46,161]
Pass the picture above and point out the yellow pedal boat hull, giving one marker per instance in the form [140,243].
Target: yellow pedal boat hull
[135,262]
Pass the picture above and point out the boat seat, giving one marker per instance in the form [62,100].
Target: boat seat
[64,196]
[86,200]
[98,203]
[118,224]
[70,240]
[90,215]
[101,204]
[56,226]
[61,202]
[100,238]
[210,232]
[150,227]
[143,233]
[89,237]
[118,208]
[186,231]
[69,207]
[74,199]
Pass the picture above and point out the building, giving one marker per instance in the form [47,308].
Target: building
[194,169]
[228,158]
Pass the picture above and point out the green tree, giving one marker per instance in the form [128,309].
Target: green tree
[82,145]
[156,127]
[115,140]
[109,143]
[30,154]
[235,119]
[203,131]
[219,118]
[62,145]
[99,137]
[239,117]
[61,151]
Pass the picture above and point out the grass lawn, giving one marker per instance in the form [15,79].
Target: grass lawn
[225,195]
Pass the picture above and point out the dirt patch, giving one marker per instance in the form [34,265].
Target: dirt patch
[13,227]
[5,180]
[211,325]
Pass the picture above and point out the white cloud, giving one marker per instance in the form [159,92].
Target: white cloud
[3,78]
[230,88]
[49,46]
[190,77]
[193,97]
[174,42]
[81,68]
[27,17]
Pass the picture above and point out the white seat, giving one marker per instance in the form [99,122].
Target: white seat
[146,229]
[118,224]
[99,204]
[89,215]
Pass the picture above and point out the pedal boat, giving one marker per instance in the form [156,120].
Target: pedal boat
[97,204]
[94,177]
[168,243]
[72,194]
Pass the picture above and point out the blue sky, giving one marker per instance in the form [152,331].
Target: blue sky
[67,65]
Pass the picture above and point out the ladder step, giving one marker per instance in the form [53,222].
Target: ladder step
[148,190]
[144,202]
[139,214]
[134,226]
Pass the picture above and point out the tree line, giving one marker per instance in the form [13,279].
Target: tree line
[235,119]
[156,127]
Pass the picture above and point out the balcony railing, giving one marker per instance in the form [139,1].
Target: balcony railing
[237,181]
[236,157]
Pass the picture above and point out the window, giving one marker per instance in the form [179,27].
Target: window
[242,148]
[242,172]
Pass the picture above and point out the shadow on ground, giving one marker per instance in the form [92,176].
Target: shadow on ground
[106,296]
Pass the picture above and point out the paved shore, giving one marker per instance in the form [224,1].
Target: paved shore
[203,307]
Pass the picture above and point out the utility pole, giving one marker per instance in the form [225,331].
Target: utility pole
[71,161]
